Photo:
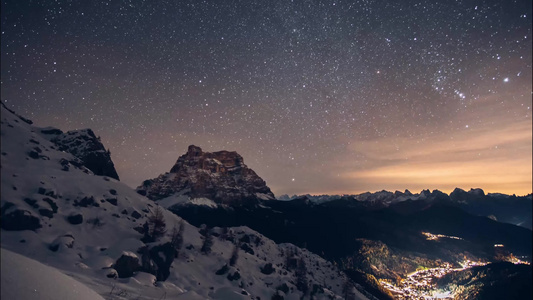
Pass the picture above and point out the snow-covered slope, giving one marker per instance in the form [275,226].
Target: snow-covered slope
[85,145]
[56,211]
[24,278]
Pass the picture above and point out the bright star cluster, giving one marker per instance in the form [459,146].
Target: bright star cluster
[318,96]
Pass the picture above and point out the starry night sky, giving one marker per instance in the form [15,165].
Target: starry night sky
[317,96]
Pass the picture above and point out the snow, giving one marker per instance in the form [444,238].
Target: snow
[264,196]
[204,202]
[87,251]
[24,278]
[129,254]
[183,199]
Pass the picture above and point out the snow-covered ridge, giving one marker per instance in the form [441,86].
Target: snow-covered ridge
[85,145]
[56,211]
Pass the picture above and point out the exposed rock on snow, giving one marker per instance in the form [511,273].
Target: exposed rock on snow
[18,219]
[127,264]
[98,240]
[65,241]
[75,219]
[86,146]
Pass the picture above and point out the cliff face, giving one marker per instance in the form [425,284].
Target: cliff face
[86,146]
[219,176]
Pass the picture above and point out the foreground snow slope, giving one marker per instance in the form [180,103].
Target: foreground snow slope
[81,224]
[24,278]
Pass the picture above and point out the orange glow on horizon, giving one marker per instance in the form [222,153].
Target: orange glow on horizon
[496,161]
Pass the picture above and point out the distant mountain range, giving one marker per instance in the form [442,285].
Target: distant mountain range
[504,208]
[382,233]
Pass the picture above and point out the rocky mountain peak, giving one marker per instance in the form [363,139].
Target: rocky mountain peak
[219,176]
[85,145]
[217,162]
[477,191]
[194,151]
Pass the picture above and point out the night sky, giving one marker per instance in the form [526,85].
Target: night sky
[317,96]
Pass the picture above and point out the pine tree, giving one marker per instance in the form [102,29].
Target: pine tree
[157,225]
[146,233]
[177,237]
[301,277]
[234,255]
[208,242]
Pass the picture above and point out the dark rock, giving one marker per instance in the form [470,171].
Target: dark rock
[33,154]
[235,276]
[127,265]
[47,192]
[31,202]
[86,202]
[19,220]
[124,212]
[64,164]
[75,219]
[113,201]
[46,212]
[76,163]
[64,241]
[222,270]
[245,239]
[113,192]
[52,204]
[246,248]
[268,269]
[5,207]
[112,273]
[136,214]
[86,146]
[284,288]
[139,229]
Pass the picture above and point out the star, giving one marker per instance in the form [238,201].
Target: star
[340,90]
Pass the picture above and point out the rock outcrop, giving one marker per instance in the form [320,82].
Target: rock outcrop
[14,218]
[86,146]
[219,176]
[127,264]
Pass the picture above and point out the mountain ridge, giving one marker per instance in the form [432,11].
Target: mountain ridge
[92,228]
[219,176]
